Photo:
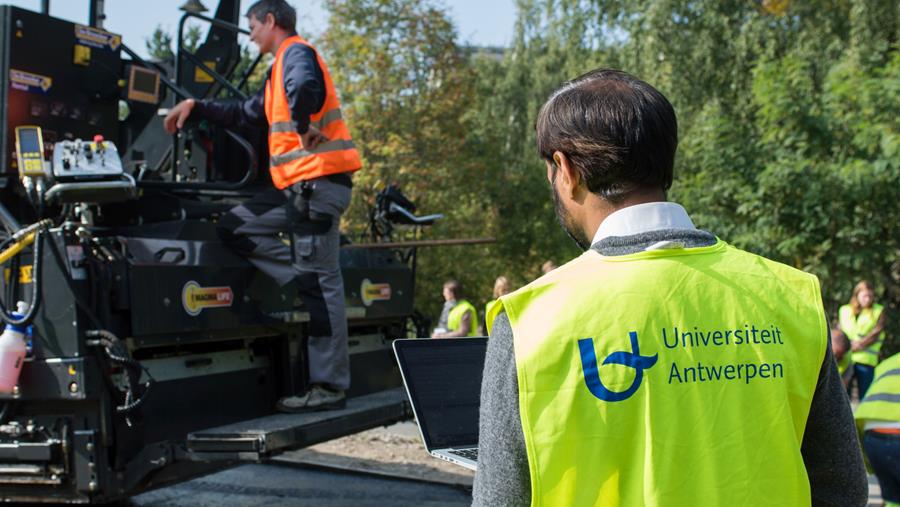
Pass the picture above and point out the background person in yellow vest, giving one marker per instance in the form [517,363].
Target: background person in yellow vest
[502,287]
[458,318]
[311,160]
[863,320]
[878,416]
[662,367]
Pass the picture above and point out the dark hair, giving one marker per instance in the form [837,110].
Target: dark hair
[618,132]
[455,288]
[285,15]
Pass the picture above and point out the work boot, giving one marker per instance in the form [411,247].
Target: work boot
[317,398]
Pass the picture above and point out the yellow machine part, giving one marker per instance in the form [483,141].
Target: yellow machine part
[17,247]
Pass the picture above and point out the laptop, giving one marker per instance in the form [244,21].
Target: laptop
[443,381]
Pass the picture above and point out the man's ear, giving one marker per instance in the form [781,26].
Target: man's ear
[569,177]
[270,20]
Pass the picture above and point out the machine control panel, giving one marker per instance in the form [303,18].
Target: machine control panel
[86,160]
[30,151]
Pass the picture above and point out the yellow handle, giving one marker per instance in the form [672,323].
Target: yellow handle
[17,247]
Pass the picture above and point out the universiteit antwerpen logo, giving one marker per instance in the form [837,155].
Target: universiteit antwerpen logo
[632,359]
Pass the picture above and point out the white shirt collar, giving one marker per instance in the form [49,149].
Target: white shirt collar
[641,218]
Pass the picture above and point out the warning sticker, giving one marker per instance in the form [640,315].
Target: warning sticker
[29,82]
[96,38]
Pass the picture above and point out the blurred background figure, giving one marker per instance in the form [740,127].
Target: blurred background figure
[862,320]
[458,317]
[548,267]
[878,417]
[502,287]
[840,346]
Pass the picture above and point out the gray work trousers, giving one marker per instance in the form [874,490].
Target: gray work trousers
[252,230]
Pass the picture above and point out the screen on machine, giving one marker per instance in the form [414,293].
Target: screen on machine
[28,141]
[146,82]
[445,382]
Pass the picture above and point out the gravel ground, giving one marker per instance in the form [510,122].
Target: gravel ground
[385,466]
[396,451]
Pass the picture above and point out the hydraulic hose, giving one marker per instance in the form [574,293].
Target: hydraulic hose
[33,234]
[17,247]
[36,237]
[110,343]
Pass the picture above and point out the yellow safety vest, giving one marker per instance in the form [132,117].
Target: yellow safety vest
[487,309]
[667,378]
[456,314]
[844,364]
[857,327]
[882,401]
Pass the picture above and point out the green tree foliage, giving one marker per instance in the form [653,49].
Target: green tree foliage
[258,77]
[159,45]
[192,37]
[788,116]
[405,87]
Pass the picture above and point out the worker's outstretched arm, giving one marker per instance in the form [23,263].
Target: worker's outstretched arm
[831,450]
[304,85]
[227,113]
[233,113]
[502,477]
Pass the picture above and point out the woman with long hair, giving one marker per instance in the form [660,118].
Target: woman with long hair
[862,320]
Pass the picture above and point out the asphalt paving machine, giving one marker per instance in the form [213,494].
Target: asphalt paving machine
[155,353]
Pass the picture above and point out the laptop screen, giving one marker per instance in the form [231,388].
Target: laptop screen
[443,377]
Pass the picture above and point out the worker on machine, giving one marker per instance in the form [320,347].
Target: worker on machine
[311,158]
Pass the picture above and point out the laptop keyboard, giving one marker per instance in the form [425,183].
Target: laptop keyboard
[471,454]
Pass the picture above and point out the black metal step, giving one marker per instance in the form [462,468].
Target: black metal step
[255,439]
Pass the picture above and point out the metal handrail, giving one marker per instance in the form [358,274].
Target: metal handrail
[249,176]
[249,71]
[215,75]
[215,22]
[251,152]
[127,183]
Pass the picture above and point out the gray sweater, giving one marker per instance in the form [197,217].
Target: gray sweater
[830,447]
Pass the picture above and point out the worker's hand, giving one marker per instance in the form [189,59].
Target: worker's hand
[856,346]
[312,138]
[178,115]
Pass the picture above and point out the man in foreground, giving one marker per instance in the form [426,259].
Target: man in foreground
[662,367]
[311,158]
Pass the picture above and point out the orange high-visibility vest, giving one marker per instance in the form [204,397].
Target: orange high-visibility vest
[289,161]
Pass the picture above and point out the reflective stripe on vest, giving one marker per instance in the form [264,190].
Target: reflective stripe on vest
[882,401]
[857,327]
[667,378]
[289,126]
[289,161]
[298,153]
[454,319]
